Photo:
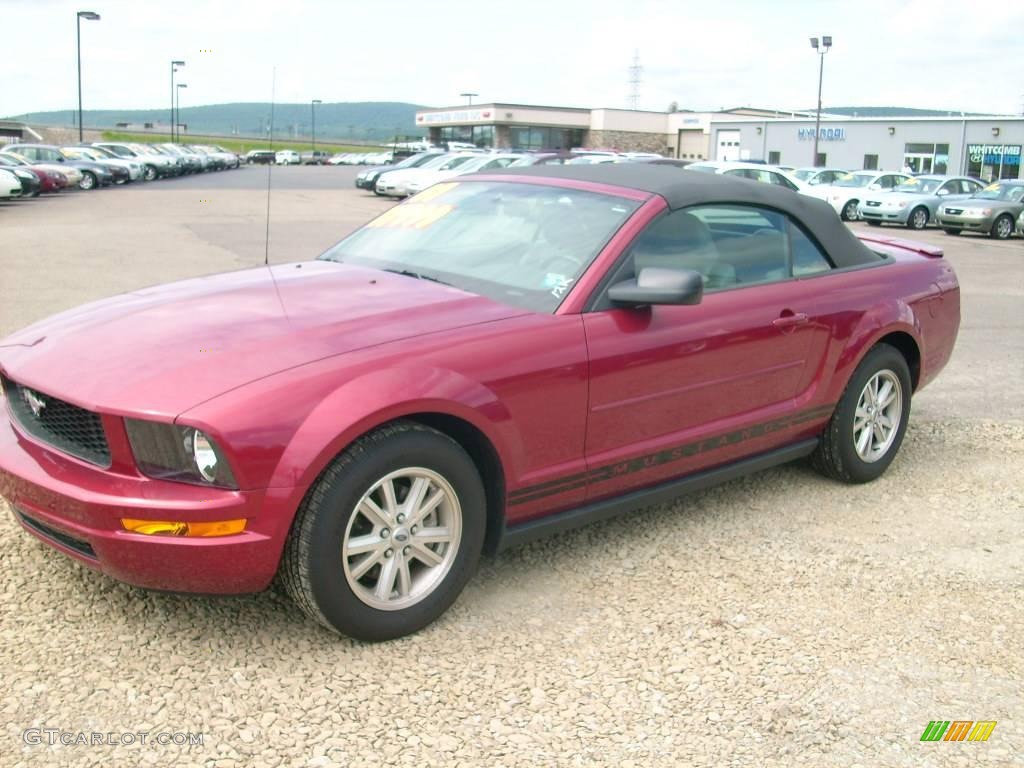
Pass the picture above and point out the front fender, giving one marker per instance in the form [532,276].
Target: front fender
[363,403]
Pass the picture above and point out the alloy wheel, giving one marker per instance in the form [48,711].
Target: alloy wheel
[919,218]
[850,211]
[1004,227]
[402,538]
[876,421]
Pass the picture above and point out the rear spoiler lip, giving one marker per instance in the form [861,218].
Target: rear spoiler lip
[931,251]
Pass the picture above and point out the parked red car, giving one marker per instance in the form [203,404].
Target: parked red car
[503,356]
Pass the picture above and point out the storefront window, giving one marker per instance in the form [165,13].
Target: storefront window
[993,161]
[926,158]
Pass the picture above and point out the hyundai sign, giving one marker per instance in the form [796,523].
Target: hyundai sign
[824,134]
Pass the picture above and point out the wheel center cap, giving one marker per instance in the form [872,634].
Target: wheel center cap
[401,535]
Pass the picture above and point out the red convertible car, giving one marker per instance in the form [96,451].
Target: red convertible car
[503,356]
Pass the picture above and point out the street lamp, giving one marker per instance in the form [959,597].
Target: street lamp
[178,106]
[175,66]
[88,16]
[312,109]
[469,96]
[826,43]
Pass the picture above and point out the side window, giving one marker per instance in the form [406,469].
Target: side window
[30,153]
[730,246]
[780,180]
[888,182]
[972,187]
[807,257]
[950,188]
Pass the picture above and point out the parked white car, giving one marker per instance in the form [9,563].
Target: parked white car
[395,183]
[477,163]
[845,194]
[287,157]
[9,184]
[766,174]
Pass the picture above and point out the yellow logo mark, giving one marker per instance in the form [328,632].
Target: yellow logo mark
[982,730]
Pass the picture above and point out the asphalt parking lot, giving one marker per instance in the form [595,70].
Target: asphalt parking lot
[778,620]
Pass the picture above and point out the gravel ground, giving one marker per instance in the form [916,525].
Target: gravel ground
[778,620]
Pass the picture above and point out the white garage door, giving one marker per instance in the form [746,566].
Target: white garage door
[728,149]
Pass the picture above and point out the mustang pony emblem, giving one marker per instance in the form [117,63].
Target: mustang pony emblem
[35,402]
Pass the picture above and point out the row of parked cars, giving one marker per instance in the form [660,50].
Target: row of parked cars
[419,171]
[28,170]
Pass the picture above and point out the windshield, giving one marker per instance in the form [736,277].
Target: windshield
[121,151]
[520,244]
[15,158]
[918,186]
[854,180]
[1012,192]
[803,174]
[104,154]
[77,153]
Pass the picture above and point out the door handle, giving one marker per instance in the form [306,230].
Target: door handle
[790,319]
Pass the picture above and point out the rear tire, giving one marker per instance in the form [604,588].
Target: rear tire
[1002,228]
[355,560]
[88,181]
[150,173]
[918,218]
[842,453]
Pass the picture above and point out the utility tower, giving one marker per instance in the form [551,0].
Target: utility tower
[635,78]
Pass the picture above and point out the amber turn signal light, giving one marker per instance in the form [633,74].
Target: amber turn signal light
[169,528]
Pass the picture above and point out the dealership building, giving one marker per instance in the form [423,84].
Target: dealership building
[987,147]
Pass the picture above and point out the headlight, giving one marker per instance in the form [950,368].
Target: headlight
[176,452]
[23,174]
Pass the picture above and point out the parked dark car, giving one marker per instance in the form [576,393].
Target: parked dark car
[260,157]
[314,158]
[93,174]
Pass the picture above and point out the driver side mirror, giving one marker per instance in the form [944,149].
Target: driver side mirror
[659,285]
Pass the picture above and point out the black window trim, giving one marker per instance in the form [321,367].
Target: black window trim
[598,299]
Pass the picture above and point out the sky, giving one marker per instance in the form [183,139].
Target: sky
[702,55]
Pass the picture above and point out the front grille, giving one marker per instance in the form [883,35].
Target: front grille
[62,425]
[954,211]
[82,547]
[874,203]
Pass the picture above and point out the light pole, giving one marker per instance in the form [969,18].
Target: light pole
[469,96]
[826,43]
[88,16]
[175,65]
[177,107]
[312,109]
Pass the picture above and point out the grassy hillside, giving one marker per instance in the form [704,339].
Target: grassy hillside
[239,146]
[363,121]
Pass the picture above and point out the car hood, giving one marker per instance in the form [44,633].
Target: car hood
[974,202]
[163,350]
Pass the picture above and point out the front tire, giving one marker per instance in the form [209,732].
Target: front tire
[88,181]
[918,218]
[850,211]
[867,428]
[1002,228]
[389,535]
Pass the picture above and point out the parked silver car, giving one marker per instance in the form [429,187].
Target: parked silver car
[992,211]
[915,202]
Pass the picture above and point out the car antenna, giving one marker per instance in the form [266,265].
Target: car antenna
[270,165]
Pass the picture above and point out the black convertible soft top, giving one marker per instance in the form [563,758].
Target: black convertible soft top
[681,188]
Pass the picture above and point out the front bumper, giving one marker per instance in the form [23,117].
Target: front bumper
[366,183]
[971,223]
[76,508]
[391,188]
[882,213]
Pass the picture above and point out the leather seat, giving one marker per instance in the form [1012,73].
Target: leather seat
[682,241]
